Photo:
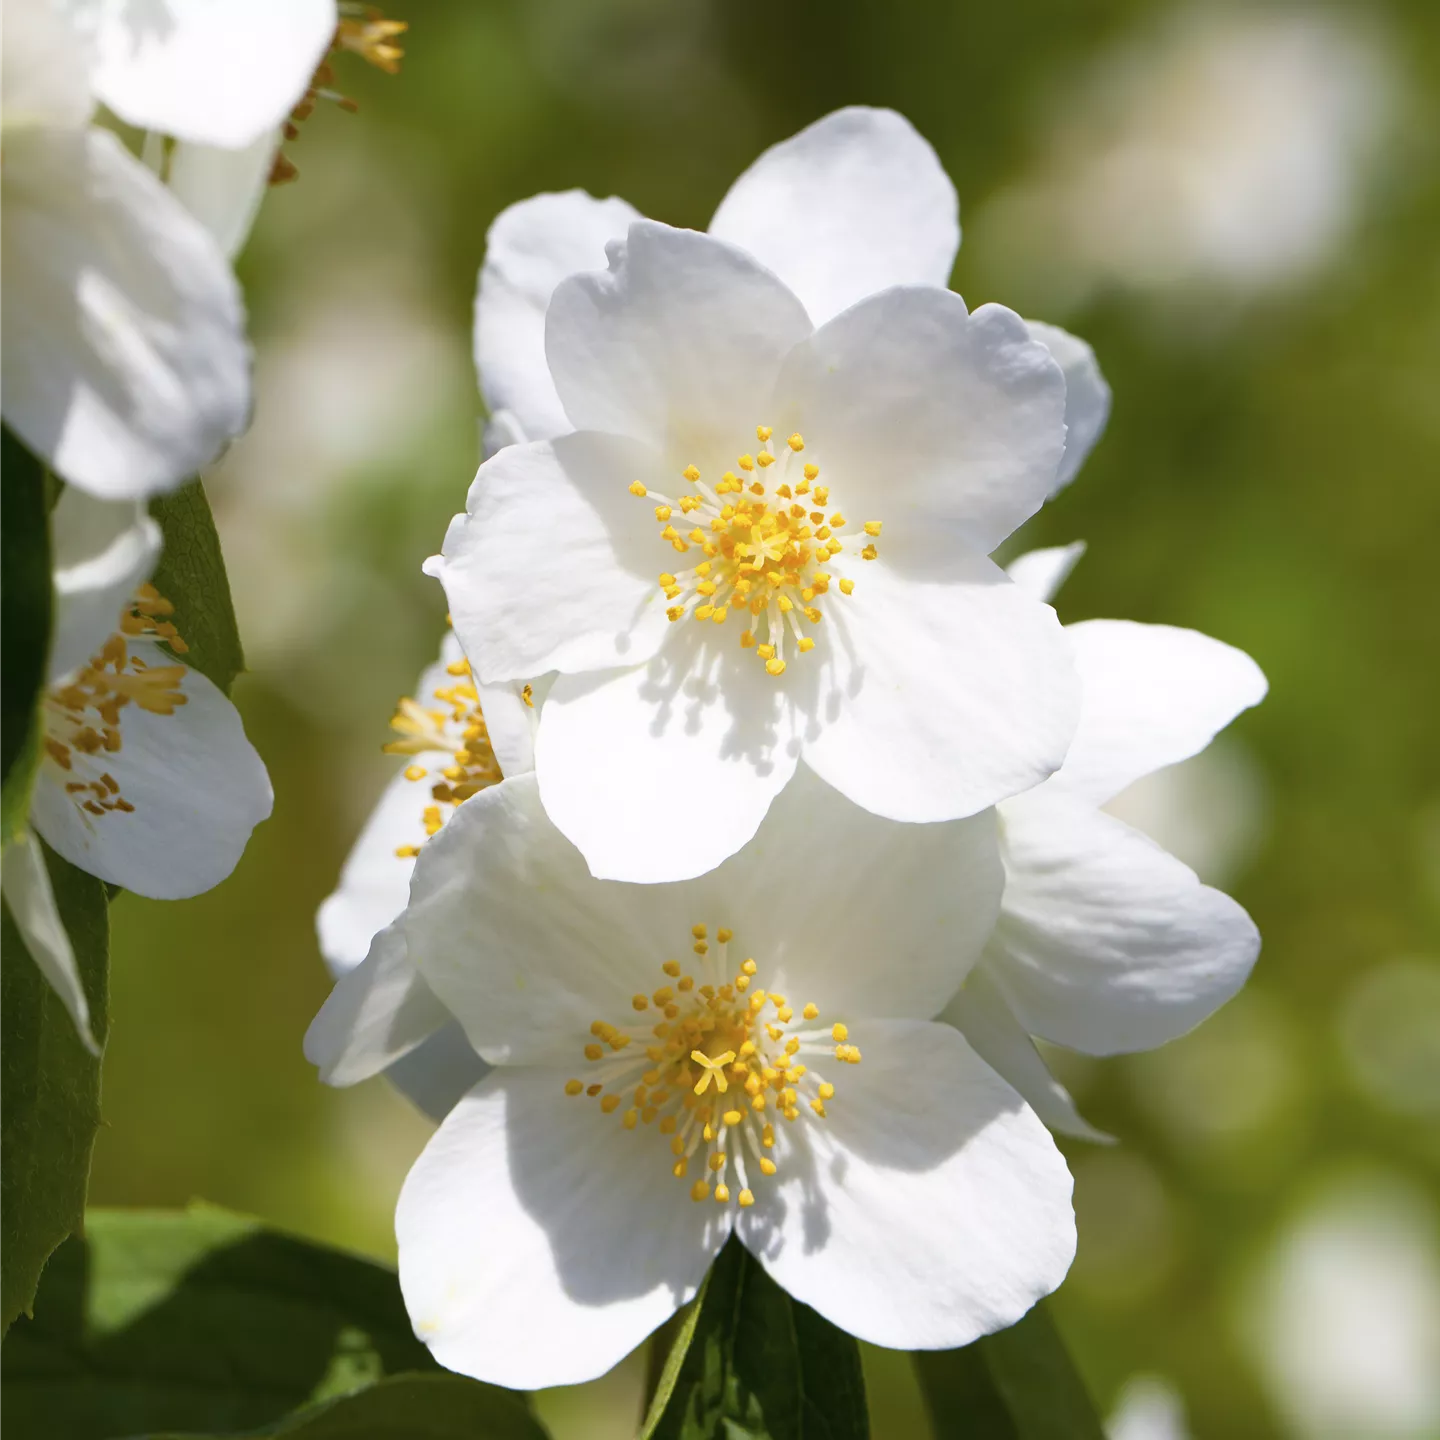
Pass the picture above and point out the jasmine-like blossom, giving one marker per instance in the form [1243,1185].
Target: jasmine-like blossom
[1106,943]
[750,540]
[751,1052]
[145,777]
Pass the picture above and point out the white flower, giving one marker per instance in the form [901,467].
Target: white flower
[125,364]
[458,739]
[749,1051]
[701,557]
[145,777]
[1106,943]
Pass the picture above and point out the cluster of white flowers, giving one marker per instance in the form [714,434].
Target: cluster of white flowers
[126,371]
[751,823]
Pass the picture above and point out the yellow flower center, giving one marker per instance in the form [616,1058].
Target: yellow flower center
[724,1063]
[457,726]
[765,544]
[83,712]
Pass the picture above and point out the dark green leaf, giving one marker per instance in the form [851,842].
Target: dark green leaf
[191,576]
[1019,1384]
[197,1320]
[25,600]
[51,1086]
[750,1363]
[410,1407]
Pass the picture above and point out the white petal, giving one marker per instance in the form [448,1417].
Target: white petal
[103,550]
[512,720]
[44,67]
[1043,572]
[853,204]
[197,786]
[693,746]
[1087,396]
[530,249]
[1152,695]
[439,1071]
[1106,943]
[932,1207]
[31,902]
[125,363]
[375,881]
[540,1244]
[553,566]
[979,1012]
[217,71]
[920,414]
[943,693]
[522,945]
[678,344]
[377,1012]
[222,188]
[861,915]
[500,430]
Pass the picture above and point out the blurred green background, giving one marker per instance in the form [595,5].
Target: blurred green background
[1238,206]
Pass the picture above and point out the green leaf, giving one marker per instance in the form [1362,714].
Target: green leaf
[191,576]
[411,1407]
[197,1320]
[1018,1384]
[750,1363]
[51,1086]
[25,603]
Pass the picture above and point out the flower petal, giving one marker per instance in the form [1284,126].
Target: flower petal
[1043,572]
[125,361]
[30,898]
[216,71]
[530,249]
[438,1072]
[536,1247]
[853,204]
[377,1012]
[979,1012]
[197,786]
[44,69]
[1153,694]
[222,188]
[104,549]
[677,344]
[695,745]
[932,1206]
[1105,943]
[553,565]
[863,916]
[1087,396]
[517,939]
[918,412]
[512,720]
[942,695]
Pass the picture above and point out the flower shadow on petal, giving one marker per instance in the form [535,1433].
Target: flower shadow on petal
[618,1224]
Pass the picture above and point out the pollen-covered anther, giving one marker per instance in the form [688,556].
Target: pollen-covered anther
[712,1075]
[762,551]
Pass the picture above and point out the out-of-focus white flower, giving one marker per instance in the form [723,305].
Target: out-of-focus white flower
[125,365]
[1106,943]
[458,739]
[1228,150]
[1343,1314]
[652,378]
[145,777]
[794,1090]
[1149,1408]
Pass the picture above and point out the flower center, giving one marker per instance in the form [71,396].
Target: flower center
[82,712]
[766,548]
[457,726]
[724,1062]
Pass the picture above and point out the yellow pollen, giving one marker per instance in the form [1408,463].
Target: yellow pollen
[636,488]
[761,551]
[838,1032]
[715,1035]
